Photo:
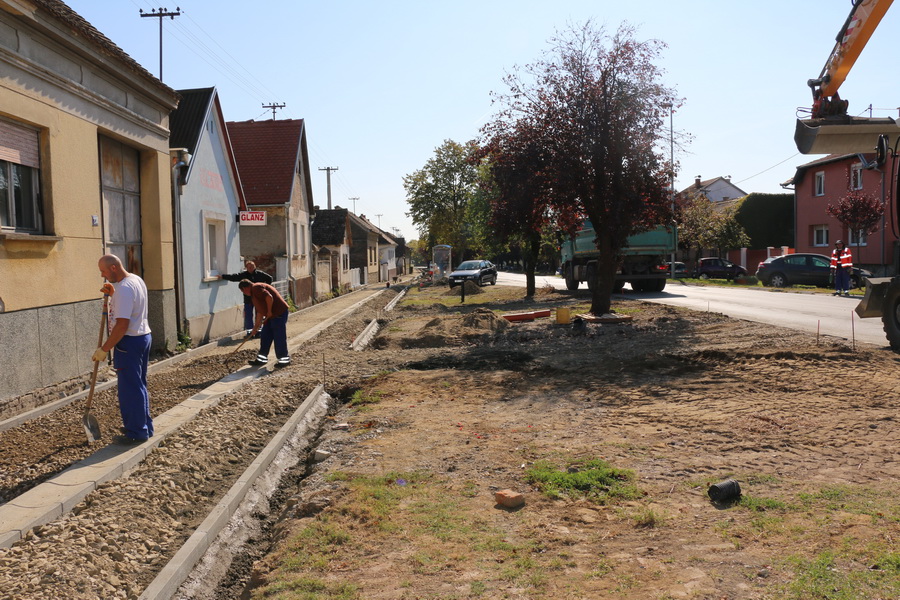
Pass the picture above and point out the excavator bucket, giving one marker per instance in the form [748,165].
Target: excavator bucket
[842,135]
[872,305]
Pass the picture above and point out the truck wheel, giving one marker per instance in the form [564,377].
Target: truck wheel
[891,317]
[571,282]
[660,285]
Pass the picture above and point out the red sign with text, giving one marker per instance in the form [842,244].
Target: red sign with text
[253,217]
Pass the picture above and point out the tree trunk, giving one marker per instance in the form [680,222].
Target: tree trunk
[605,273]
[530,255]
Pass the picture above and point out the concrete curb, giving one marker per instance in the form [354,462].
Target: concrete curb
[179,568]
[162,364]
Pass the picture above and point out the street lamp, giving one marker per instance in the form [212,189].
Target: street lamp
[671,108]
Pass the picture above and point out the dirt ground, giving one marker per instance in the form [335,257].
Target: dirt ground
[405,506]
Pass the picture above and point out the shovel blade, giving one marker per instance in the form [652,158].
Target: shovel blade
[91,427]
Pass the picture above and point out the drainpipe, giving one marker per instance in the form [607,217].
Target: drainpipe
[287,244]
[180,160]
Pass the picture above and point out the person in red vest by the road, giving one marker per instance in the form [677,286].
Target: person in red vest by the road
[841,265]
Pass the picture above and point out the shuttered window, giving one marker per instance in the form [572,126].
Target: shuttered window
[20,207]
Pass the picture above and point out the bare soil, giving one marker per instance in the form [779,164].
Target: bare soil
[405,506]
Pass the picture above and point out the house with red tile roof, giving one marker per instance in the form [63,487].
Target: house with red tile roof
[825,181]
[273,162]
[207,199]
[84,148]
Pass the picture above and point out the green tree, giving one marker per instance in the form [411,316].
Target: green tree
[768,219]
[594,109]
[703,225]
[439,196]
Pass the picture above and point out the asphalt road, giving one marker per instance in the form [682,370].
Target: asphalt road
[804,311]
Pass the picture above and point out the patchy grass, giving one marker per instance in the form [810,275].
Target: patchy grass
[828,576]
[594,479]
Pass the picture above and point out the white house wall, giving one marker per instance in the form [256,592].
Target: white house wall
[213,307]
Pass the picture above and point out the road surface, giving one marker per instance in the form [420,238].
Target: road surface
[804,311]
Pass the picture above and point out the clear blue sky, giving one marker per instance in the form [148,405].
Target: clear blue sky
[382,84]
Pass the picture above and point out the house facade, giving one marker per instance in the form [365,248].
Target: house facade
[207,199]
[716,190]
[84,157]
[332,239]
[364,250]
[273,162]
[825,181]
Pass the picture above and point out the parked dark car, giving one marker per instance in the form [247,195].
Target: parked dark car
[804,269]
[717,268]
[479,271]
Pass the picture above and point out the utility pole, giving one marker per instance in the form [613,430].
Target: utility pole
[353,200]
[274,107]
[161,14]
[328,173]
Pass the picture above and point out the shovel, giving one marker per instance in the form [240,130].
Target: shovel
[91,425]
[235,351]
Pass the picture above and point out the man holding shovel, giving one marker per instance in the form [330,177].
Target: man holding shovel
[272,310]
[129,334]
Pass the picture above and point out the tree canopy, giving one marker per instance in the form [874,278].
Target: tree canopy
[578,137]
[440,194]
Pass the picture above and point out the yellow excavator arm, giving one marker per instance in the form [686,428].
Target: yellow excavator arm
[853,37]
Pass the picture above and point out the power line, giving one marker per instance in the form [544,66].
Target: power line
[769,169]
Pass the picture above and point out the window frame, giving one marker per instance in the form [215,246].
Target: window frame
[856,176]
[862,241]
[816,231]
[819,184]
[214,243]
[21,150]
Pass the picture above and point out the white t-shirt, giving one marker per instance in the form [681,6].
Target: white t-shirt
[130,302]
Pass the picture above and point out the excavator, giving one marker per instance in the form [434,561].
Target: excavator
[830,130]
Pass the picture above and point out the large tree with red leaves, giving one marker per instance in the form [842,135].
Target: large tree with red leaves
[582,129]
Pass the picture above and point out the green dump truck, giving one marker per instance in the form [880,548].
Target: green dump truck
[644,260]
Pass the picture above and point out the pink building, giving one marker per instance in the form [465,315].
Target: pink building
[825,181]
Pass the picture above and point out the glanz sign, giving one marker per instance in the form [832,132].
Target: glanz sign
[253,217]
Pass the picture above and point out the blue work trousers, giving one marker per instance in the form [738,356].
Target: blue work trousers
[131,359]
[841,280]
[275,330]
[249,321]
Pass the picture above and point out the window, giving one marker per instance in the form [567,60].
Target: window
[346,261]
[820,235]
[214,257]
[856,177]
[20,198]
[820,184]
[298,239]
[858,238]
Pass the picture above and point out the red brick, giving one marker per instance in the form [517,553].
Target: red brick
[509,498]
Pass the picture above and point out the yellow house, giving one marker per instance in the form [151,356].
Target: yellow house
[84,170]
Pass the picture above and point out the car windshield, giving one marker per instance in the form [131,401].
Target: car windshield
[469,265]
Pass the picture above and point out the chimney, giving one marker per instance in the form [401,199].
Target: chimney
[697,182]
